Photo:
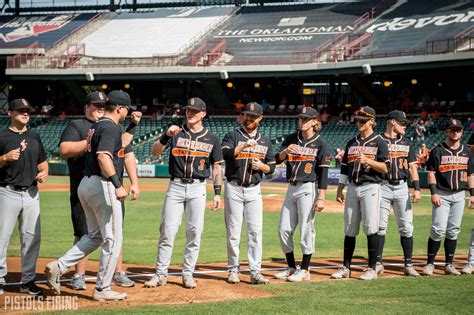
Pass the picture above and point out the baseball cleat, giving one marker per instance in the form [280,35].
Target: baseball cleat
[467,269]
[31,288]
[379,268]
[188,282]
[428,270]
[283,275]
[369,274]
[53,277]
[156,280]
[410,271]
[78,282]
[451,270]
[300,275]
[342,272]
[233,277]
[108,295]
[258,279]
[120,279]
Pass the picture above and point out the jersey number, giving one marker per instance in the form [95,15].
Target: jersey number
[403,164]
[464,176]
[308,167]
[90,133]
[201,165]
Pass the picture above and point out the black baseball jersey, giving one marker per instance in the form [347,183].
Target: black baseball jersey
[76,130]
[105,136]
[310,163]
[452,167]
[374,148]
[192,154]
[23,171]
[471,140]
[402,154]
[239,167]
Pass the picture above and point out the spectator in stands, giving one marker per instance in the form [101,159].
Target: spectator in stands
[424,114]
[324,117]
[436,114]
[239,106]
[264,105]
[422,156]
[343,118]
[420,131]
[338,157]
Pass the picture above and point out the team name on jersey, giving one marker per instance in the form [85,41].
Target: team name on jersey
[453,163]
[303,154]
[257,152]
[354,151]
[398,150]
[187,147]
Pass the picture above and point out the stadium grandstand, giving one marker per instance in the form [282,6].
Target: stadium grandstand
[333,55]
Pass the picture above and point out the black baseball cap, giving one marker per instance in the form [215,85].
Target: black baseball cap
[20,103]
[399,116]
[454,124]
[365,113]
[308,112]
[196,103]
[96,98]
[253,108]
[119,97]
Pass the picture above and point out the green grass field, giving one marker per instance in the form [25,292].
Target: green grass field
[141,231]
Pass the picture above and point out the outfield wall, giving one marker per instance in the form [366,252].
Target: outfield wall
[161,171]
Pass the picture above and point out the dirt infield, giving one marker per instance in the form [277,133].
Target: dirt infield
[212,286]
[272,202]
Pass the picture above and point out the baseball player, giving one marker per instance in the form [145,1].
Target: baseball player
[194,149]
[72,146]
[450,170]
[22,165]
[248,155]
[363,168]
[467,269]
[395,192]
[307,160]
[100,193]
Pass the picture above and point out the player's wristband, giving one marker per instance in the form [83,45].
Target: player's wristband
[165,139]
[131,128]
[433,189]
[471,191]
[115,180]
[217,190]
[416,184]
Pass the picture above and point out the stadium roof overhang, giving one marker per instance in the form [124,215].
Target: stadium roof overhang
[353,67]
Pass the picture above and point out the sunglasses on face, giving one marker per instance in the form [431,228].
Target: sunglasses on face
[454,130]
[362,121]
[22,111]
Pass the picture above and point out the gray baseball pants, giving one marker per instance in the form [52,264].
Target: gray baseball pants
[25,207]
[189,199]
[396,196]
[362,205]
[446,219]
[104,223]
[297,210]
[243,203]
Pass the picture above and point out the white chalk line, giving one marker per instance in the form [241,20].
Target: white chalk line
[206,272]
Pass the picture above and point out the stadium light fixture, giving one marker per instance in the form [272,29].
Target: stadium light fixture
[104,86]
[257,85]
[126,86]
[414,81]
[387,83]
[230,85]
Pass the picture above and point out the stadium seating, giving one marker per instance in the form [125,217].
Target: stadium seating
[45,30]
[416,25]
[141,35]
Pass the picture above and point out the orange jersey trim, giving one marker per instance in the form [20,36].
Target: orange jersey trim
[246,155]
[186,152]
[455,167]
